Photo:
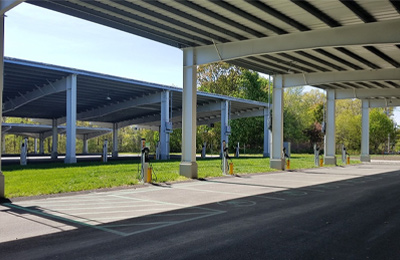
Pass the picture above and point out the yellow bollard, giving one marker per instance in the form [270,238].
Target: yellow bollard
[348,159]
[288,164]
[231,168]
[321,162]
[148,180]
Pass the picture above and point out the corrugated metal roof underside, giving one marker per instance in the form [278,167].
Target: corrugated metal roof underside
[99,92]
[197,23]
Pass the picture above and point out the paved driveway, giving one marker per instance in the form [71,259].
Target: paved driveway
[343,213]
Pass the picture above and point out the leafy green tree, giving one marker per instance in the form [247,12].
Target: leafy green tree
[380,126]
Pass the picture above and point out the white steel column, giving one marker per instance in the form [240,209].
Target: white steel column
[276,161]
[188,166]
[224,125]
[41,143]
[365,131]
[85,149]
[70,156]
[2,185]
[35,146]
[266,152]
[330,138]
[164,132]
[54,146]
[115,140]
[3,143]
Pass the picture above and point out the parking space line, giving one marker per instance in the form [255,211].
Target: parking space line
[35,212]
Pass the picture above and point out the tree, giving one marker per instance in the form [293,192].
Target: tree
[380,126]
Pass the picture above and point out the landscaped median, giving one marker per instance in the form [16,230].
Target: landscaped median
[53,178]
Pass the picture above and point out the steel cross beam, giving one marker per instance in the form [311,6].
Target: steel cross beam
[385,32]
[39,92]
[6,5]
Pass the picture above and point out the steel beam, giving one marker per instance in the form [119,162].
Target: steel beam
[70,156]
[330,137]
[276,159]
[6,5]
[366,93]
[2,182]
[39,92]
[365,131]
[188,165]
[317,78]
[113,108]
[385,32]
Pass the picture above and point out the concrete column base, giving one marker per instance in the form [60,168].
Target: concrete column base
[330,160]
[70,160]
[188,169]
[277,164]
[54,156]
[365,158]
[114,154]
[2,186]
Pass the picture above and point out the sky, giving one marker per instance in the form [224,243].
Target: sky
[38,34]
[41,35]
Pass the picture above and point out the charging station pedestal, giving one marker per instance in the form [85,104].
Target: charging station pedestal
[145,172]
[316,155]
[344,161]
[24,152]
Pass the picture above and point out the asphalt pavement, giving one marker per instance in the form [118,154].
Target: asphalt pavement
[324,213]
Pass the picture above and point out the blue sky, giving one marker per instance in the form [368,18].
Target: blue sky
[38,34]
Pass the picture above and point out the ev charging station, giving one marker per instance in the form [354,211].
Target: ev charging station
[286,155]
[345,155]
[145,169]
[317,160]
[203,150]
[24,151]
[105,147]
[225,157]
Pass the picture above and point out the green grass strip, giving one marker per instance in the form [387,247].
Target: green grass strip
[54,178]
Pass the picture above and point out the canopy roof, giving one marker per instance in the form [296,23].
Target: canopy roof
[275,37]
[36,131]
[31,90]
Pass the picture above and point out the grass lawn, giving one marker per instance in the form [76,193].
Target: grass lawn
[41,179]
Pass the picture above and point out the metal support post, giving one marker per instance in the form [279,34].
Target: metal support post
[2,182]
[41,143]
[115,140]
[85,149]
[188,166]
[237,152]
[267,142]
[365,157]
[35,145]
[166,126]
[330,139]
[277,162]
[54,153]
[105,148]
[225,128]
[70,156]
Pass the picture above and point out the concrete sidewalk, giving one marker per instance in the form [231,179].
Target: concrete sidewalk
[155,207]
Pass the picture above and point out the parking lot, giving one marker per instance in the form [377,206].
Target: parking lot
[310,213]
